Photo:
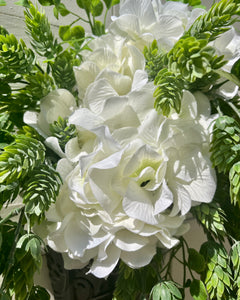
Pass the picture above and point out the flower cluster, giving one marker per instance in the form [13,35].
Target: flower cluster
[130,176]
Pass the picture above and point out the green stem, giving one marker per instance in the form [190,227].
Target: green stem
[10,261]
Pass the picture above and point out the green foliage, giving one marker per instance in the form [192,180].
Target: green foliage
[20,158]
[62,70]
[234,178]
[134,284]
[68,33]
[235,259]
[212,219]
[155,60]
[38,28]
[3,31]
[2,3]
[168,93]
[192,58]
[236,69]
[196,261]
[217,275]
[40,189]
[62,131]
[15,56]
[38,85]
[165,290]
[225,146]
[214,22]
[38,293]
[198,290]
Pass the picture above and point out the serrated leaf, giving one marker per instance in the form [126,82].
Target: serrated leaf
[196,261]
[197,290]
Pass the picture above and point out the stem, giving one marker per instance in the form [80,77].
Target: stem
[10,261]
[78,18]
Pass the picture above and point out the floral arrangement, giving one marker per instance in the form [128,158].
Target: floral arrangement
[116,140]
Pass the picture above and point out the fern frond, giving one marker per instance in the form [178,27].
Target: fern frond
[191,58]
[62,71]
[235,259]
[155,60]
[62,131]
[39,191]
[234,178]
[168,93]
[218,274]
[15,56]
[20,158]
[39,30]
[216,21]
[225,146]
[212,219]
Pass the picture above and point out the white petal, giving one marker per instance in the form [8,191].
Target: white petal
[85,75]
[97,94]
[165,199]
[167,26]
[137,204]
[127,241]
[103,268]
[139,80]
[166,239]
[139,258]
[64,167]
[53,143]
[85,118]
[141,8]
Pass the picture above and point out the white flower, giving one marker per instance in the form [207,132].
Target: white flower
[122,201]
[58,103]
[142,21]
[111,60]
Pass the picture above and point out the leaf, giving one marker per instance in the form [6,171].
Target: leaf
[2,3]
[197,290]
[67,33]
[46,2]
[97,8]
[85,4]
[98,28]
[236,69]
[39,293]
[63,10]
[196,261]
[110,3]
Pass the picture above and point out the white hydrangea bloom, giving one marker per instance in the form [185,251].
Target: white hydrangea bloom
[122,201]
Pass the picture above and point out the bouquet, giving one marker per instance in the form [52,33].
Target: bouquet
[113,140]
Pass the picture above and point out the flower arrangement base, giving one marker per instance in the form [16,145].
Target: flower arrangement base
[76,284]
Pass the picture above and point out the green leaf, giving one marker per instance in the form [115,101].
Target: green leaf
[196,261]
[39,293]
[197,290]
[46,2]
[63,10]
[236,69]
[110,3]
[97,8]
[67,33]
[2,3]
[98,28]
[85,4]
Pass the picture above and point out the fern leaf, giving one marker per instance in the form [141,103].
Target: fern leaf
[216,21]
[39,30]
[62,131]
[19,158]
[39,191]
[15,56]
[168,93]
[234,178]
[225,146]
[62,71]
[217,275]
[212,218]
